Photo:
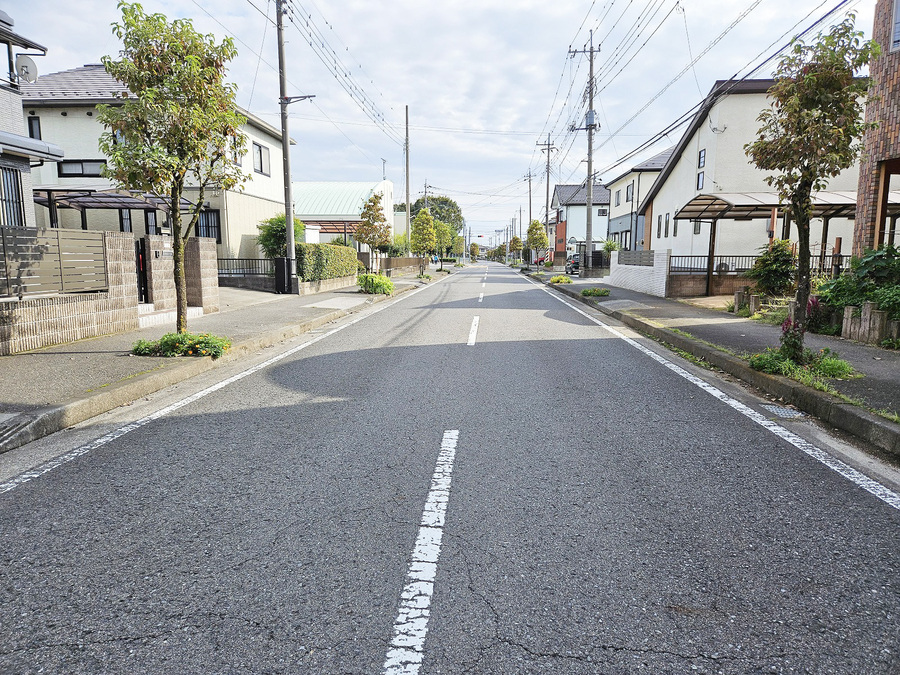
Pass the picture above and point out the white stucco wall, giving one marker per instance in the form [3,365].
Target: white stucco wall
[576,223]
[729,126]
[644,279]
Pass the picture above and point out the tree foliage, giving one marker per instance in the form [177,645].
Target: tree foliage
[473,250]
[176,125]
[515,246]
[537,236]
[774,269]
[441,208]
[422,233]
[373,229]
[272,239]
[811,131]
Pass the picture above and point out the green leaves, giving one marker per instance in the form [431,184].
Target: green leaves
[537,235]
[422,235]
[373,229]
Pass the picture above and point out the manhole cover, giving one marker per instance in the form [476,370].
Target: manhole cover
[782,412]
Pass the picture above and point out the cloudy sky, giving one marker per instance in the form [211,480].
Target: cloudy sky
[485,80]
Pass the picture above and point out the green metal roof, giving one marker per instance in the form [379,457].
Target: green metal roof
[331,201]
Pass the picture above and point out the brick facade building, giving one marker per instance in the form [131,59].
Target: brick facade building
[881,158]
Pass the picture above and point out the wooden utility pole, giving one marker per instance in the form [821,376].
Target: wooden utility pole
[547,147]
[406,147]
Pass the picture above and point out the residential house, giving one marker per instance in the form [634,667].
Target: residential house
[18,150]
[569,218]
[626,226]
[710,198]
[61,107]
[332,209]
[880,170]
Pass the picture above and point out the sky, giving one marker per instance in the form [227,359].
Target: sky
[485,81]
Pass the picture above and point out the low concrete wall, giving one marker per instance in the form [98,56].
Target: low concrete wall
[32,323]
[310,287]
[257,282]
[649,279]
[694,285]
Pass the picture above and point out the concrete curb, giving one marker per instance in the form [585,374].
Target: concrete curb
[867,426]
[31,426]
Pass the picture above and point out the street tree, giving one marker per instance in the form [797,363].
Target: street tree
[813,128]
[537,236]
[373,229]
[441,208]
[515,247]
[422,238]
[459,245]
[443,237]
[473,250]
[176,126]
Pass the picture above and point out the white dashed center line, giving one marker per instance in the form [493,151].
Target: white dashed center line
[480,297]
[473,331]
[408,643]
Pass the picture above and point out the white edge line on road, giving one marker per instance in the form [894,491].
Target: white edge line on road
[473,331]
[875,488]
[56,462]
[404,657]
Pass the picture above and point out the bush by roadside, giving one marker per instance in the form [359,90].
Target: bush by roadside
[183,344]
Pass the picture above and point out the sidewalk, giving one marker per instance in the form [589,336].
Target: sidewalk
[700,329]
[49,389]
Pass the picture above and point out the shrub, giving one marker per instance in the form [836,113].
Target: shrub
[792,341]
[183,344]
[375,284]
[360,268]
[271,238]
[548,264]
[560,279]
[325,261]
[774,269]
[891,343]
[426,277]
[888,300]
[595,292]
[822,364]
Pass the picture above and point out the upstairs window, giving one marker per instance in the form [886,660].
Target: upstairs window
[618,197]
[629,192]
[895,28]
[602,212]
[667,225]
[659,226]
[80,168]
[701,159]
[261,159]
[208,225]
[34,127]
[12,206]
[700,180]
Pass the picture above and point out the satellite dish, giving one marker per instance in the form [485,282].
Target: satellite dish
[26,69]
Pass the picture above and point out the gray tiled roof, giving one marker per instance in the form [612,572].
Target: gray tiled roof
[576,195]
[655,163]
[88,84]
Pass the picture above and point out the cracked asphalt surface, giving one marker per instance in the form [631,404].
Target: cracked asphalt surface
[605,516]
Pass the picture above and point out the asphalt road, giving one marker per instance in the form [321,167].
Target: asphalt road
[413,490]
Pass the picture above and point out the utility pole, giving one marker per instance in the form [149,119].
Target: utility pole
[284,100]
[528,177]
[589,125]
[406,147]
[547,147]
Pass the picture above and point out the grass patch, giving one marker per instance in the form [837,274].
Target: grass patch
[183,344]
[816,369]
[595,292]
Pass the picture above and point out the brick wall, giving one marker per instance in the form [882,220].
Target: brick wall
[651,280]
[160,272]
[32,323]
[694,285]
[882,143]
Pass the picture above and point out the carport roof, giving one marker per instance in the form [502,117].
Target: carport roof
[749,205]
[100,197]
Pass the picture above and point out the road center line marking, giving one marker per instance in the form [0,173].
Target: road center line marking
[873,487]
[473,331]
[56,462]
[480,297]
[408,644]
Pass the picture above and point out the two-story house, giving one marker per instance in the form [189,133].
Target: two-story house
[569,209]
[18,150]
[709,197]
[626,226]
[61,108]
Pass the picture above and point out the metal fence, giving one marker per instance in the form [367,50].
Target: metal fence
[243,267]
[738,264]
[51,261]
[642,258]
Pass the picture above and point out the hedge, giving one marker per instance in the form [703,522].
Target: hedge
[325,261]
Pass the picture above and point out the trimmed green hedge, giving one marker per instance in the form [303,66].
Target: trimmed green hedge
[325,261]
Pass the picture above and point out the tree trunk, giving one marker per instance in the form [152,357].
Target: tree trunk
[178,256]
[801,207]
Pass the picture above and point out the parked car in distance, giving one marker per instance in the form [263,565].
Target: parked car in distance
[572,263]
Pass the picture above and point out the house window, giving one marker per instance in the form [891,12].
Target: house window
[34,127]
[12,207]
[150,224]
[261,159]
[208,225]
[618,197]
[895,33]
[602,212]
[80,168]
[700,180]
[659,226]
[675,227]
[696,227]
[701,159]
[629,192]
[667,225]
[125,220]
